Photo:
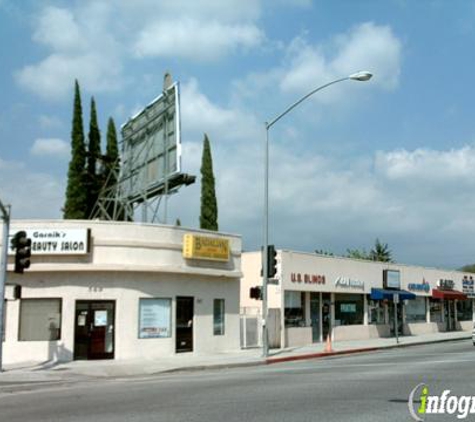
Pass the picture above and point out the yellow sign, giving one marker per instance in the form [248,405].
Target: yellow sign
[204,247]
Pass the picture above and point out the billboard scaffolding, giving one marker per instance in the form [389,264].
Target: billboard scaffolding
[150,162]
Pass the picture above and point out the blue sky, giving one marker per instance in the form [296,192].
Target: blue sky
[392,158]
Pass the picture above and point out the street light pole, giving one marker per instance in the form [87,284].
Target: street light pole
[5,211]
[359,76]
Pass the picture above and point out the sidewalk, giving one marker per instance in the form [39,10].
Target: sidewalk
[19,376]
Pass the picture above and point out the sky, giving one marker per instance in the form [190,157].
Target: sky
[392,158]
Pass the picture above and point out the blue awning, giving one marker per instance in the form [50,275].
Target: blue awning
[380,294]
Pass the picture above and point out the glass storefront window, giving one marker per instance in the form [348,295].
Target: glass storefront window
[435,310]
[416,310]
[155,318]
[40,319]
[349,309]
[294,309]
[376,312]
[218,317]
[465,310]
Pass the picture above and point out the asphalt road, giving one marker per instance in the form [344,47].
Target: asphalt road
[366,387]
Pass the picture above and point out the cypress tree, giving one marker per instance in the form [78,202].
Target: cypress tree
[111,163]
[93,154]
[75,206]
[209,205]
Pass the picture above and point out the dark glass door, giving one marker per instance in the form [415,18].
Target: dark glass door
[184,324]
[94,330]
[315,316]
[326,315]
[449,311]
[400,324]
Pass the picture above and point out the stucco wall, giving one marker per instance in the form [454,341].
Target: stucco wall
[126,289]
[126,262]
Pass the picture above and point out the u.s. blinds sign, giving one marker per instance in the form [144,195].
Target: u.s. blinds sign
[56,242]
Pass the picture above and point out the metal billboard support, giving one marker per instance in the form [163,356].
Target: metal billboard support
[144,172]
[5,210]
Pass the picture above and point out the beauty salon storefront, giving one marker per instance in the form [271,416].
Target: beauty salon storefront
[124,291]
[314,296]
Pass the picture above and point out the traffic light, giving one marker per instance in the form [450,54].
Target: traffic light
[22,246]
[271,261]
[255,293]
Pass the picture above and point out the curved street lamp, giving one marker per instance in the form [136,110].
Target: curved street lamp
[361,76]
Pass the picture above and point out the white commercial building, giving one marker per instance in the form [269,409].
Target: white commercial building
[314,295]
[112,290]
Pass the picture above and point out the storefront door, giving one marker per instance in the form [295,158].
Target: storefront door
[399,318]
[94,330]
[449,313]
[326,314]
[184,324]
[315,316]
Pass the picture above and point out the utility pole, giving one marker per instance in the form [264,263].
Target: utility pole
[3,272]
[396,324]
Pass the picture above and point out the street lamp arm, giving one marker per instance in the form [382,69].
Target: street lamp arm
[290,108]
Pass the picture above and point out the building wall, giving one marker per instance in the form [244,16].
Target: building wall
[307,272]
[252,262]
[125,289]
[126,262]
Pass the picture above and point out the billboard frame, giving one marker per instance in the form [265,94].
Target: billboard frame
[146,167]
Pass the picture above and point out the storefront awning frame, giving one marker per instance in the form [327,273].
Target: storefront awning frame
[382,294]
[448,294]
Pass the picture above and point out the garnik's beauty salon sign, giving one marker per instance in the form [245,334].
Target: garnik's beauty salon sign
[56,242]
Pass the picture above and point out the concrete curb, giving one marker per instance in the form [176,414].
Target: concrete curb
[307,356]
[212,366]
[304,356]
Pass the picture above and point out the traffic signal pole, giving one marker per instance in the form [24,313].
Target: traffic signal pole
[3,272]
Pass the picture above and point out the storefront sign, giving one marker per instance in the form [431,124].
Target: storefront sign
[419,287]
[391,279]
[349,283]
[205,247]
[468,286]
[307,278]
[56,242]
[445,284]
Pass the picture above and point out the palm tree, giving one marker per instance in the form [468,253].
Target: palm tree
[380,252]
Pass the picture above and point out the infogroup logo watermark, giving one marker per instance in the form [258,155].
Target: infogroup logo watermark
[422,403]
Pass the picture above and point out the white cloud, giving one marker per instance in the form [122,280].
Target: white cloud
[366,47]
[305,66]
[50,147]
[58,29]
[53,78]
[197,40]
[92,40]
[82,47]
[37,195]
[428,165]
[199,114]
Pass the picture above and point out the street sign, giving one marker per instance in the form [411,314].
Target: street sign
[274,281]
